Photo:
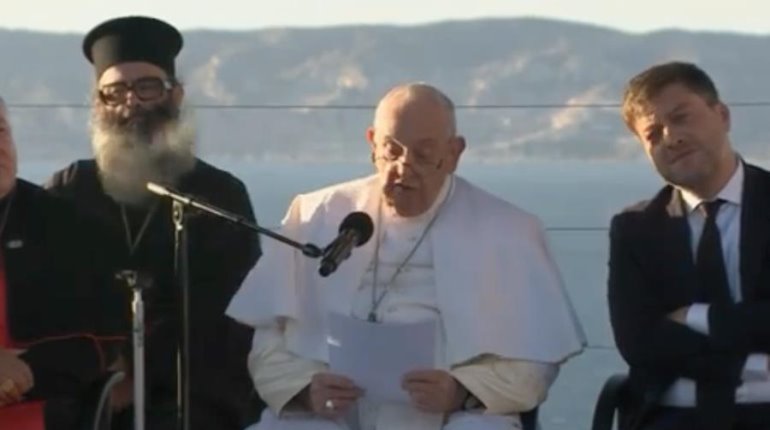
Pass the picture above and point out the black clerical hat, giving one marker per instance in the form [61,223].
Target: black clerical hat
[132,38]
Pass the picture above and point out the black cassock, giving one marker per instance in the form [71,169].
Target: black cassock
[220,256]
[63,306]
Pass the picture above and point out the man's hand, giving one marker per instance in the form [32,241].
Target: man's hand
[122,394]
[679,315]
[15,377]
[331,396]
[434,391]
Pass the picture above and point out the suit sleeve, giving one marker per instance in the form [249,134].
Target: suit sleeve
[742,327]
[645,336]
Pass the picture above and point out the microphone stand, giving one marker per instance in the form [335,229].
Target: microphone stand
[137,284]
[182,277]
[308,249]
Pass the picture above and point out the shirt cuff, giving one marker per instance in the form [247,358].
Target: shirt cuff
[698,318]
[756,368]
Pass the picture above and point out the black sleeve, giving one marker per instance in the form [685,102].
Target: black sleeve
[742,327]
[60,183]
[79,354]
[251,243]
[644,335]
[235,252]
[244,240]
[64,367]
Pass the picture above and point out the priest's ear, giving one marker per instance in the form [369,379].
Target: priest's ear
[177,93]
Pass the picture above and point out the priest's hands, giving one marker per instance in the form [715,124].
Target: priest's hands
[434,391]
[122,394]
[331,396]
[16,377]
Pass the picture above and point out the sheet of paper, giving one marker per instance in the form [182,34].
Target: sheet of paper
[377,355]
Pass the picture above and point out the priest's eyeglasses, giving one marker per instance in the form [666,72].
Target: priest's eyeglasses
[145,89]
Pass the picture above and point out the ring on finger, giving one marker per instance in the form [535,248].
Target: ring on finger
[329,404]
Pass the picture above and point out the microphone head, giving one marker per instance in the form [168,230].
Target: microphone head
[361,223]
[157,189]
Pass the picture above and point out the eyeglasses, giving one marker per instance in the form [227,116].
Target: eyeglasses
[395,153]
[145,89]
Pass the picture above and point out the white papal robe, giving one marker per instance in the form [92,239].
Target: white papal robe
[483,271]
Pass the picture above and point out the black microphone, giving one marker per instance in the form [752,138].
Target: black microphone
[355,230]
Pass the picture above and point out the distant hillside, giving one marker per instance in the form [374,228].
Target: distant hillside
[487,63]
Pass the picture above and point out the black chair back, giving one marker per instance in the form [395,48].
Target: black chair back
[529,420]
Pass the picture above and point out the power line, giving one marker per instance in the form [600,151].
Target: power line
[268,106]
[600,347]
[550,229]
[578,229]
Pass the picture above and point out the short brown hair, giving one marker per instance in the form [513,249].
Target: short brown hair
[649,83]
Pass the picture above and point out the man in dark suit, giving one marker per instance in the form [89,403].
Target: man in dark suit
[62,317]
[689,271]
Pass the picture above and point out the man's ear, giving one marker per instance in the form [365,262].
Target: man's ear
[459,145]
[456,150]
[177,95]
[370,141]
[724,112]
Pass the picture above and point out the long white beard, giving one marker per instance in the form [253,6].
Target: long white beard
[127,161]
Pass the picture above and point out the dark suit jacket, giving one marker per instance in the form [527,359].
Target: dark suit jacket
[63,306]
[651,274]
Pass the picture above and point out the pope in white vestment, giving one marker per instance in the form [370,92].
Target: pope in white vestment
[442,250]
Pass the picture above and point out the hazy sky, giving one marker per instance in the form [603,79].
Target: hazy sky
[747,16]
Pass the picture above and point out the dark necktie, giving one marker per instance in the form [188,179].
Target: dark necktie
[709,261]
[716,397]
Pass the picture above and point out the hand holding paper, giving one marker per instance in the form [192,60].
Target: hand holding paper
[434,391]
[377,356]
[331,396]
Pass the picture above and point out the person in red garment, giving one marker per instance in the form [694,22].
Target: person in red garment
[61,313]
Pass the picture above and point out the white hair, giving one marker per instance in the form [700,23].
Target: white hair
[127,161]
